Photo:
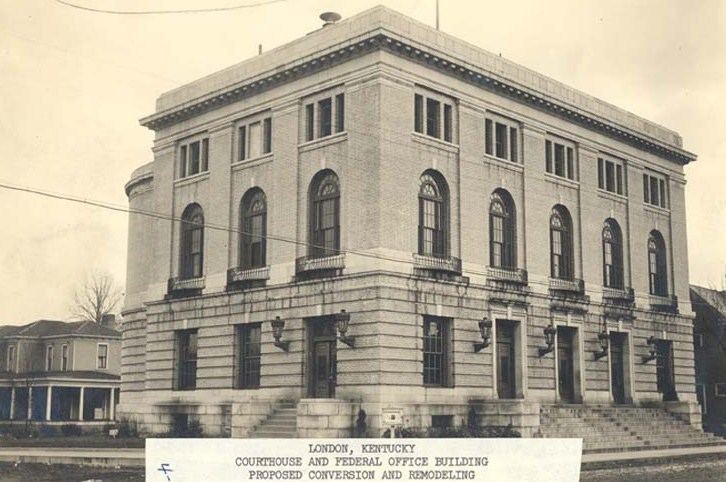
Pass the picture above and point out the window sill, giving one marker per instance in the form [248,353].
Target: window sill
[323,141]
[435,142]
[255,161]
[192,179]
[563,181]
[656,209]
[505,163]
[613,196]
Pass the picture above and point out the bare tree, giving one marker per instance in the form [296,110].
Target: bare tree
[98,296]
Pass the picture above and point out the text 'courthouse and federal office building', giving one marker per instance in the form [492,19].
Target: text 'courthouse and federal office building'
[379,215]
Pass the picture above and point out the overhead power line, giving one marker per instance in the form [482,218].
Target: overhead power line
[162,12]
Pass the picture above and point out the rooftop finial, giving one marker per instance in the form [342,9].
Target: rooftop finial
[329,18]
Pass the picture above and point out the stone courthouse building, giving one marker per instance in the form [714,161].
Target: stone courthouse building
[381,216]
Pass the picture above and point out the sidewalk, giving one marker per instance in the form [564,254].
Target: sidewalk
[114,457]
[598,460]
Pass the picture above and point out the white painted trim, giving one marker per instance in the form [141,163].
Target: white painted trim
[48,363]
[64,348]
[98,352]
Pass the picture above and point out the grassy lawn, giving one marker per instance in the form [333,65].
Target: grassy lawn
[84,441]
[66,473]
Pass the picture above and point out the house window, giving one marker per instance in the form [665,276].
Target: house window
[192,242]
[248,356]
[433,216]
[254,139]
[560,159]
[654,191]
[325,215]
[435,350]
[561,243]
[657,265]
[48,358]
[698,340]
[433,116]
[324,117]
[193,157]
[612,250]
[502,225]
[254,229]
[501,138]
[64,357]
[186,359]
[11,358]
[102,356]
[720,389]
[610,176]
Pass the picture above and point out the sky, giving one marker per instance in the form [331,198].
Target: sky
[73,85]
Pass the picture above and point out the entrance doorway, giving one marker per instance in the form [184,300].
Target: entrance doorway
[565,365]
[506,381]
[664,370]
[617,366]
[322,358]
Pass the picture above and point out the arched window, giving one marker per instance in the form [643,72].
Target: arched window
[433,212]
[253,245]
[561,243]
[502,231]
[324,215]
[192,242]
[612,252]
[657,264]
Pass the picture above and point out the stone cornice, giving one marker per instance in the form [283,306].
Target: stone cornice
[380,39]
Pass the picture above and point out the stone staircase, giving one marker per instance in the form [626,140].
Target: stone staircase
[622,428]
[281,423]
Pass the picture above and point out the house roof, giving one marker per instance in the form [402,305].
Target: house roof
[716,299]
[75,374]
[48,328]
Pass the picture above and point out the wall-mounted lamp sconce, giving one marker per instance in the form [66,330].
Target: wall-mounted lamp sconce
[278,326]
[485,330]
[342,320]
[651,350]
[549,333]
[603,340]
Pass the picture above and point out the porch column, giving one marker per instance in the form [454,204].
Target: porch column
[80,406]
[48,405]
[112,406]
[30,403]
[12,402]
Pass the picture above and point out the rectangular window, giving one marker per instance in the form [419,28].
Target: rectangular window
[489,137]
[698,340]
[447,122]
[248,355]
[102,356]
[205,155]
[309,122]
[513,141]
[662,191]
[267,136]
[11,358]
[646,189]
[194,157]
[325,119]
[183,161]
[501,139]
[720,389]
[254,140]
[600,171]
[619,179]
[186,359]
[433,118]
[654,190]
[48,358]
[436,350]
[609,177]
[242,135]
[339,113]
[418,113]
[560,159]
[64,357]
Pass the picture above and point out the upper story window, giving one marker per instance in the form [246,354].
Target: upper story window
[192,242]
[502,231]
[654,190]
[254,229]
[436,350]
[610,175]
[561,243]
[11,358]
[501,137]
[193,157]
[324,116]
[433,214]
[64,357]
[254,138]
[324,215]
[48,358]
[560,158]
[248,355]
[612,251]
[434,116]
[657,264]
[186,359]
[102,356]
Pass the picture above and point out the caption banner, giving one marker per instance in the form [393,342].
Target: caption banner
[179,460]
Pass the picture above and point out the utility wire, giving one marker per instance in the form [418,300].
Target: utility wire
[162,12]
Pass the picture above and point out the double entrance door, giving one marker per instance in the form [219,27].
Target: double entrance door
[617,366]
[322,358]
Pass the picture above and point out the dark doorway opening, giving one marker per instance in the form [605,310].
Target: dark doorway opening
[506,381]
[617,366]
[664,370]
[565,365]
[322,357]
